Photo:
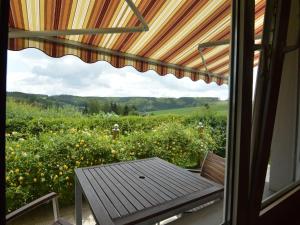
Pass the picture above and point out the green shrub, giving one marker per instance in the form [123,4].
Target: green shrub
[44,147]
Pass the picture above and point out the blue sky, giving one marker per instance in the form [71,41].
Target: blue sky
[32,71]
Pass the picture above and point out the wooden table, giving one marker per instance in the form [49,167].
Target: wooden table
[140,192]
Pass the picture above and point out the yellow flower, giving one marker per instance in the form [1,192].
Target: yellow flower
[34,180]
[21,178]
[65,167]
[17,146]
[60,173]
[77,146]
[17,170]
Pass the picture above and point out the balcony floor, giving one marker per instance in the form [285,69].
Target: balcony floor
[209,215]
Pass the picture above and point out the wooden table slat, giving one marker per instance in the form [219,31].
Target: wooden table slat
[184,171]
[129,206]
[138,185]
[174,176]
[124,191]
[203,196]
[99,211]
[134,185]
[156,193]
[129,187]
[169,180]
[184,177]
[166,194]
[112,211]
[157,179]
[110,195]
[192,176]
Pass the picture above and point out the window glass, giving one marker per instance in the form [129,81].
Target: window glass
[284,163]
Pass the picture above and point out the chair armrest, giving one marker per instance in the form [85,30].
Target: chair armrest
[61,221]
[194,170]
[26,208]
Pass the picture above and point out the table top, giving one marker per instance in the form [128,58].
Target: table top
[143,191]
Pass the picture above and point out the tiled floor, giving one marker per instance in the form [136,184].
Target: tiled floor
[210,215]
[44,216]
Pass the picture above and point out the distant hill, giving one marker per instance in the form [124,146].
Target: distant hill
[216,108]
[142,104]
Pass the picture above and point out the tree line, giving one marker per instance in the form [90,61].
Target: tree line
[94,107]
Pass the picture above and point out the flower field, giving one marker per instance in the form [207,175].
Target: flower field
[44,146]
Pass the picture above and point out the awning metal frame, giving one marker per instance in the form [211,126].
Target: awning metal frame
[111,30]
[211,44]
[74,44]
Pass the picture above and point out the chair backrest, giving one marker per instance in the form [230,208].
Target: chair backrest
[213,168]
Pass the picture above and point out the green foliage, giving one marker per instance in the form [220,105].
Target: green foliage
[142,104]
[217,108]
[94,106]
[43,147]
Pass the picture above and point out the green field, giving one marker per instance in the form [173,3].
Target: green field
[219,108]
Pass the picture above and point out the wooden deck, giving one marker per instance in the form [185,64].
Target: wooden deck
[142,191]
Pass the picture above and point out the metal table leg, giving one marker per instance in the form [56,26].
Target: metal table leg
[78,203]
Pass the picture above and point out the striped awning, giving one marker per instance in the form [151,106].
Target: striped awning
[159,35]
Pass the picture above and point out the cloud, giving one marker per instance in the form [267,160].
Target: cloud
[32,71]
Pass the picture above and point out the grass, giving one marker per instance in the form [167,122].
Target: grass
[219,108]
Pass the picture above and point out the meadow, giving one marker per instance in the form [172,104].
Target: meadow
[44,146]
[219,109]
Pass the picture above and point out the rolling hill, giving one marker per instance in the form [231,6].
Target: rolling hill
[142,104]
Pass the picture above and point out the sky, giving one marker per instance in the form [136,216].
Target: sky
[32,71]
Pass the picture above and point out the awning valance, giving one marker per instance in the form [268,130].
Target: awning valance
[159,35]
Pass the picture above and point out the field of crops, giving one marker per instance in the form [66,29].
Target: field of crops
[44,146]
[218,109]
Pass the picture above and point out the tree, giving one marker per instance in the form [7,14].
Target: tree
[93,106]
[125,110]
[113,107]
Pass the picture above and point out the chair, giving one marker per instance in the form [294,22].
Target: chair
[212,168]
[38,202]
